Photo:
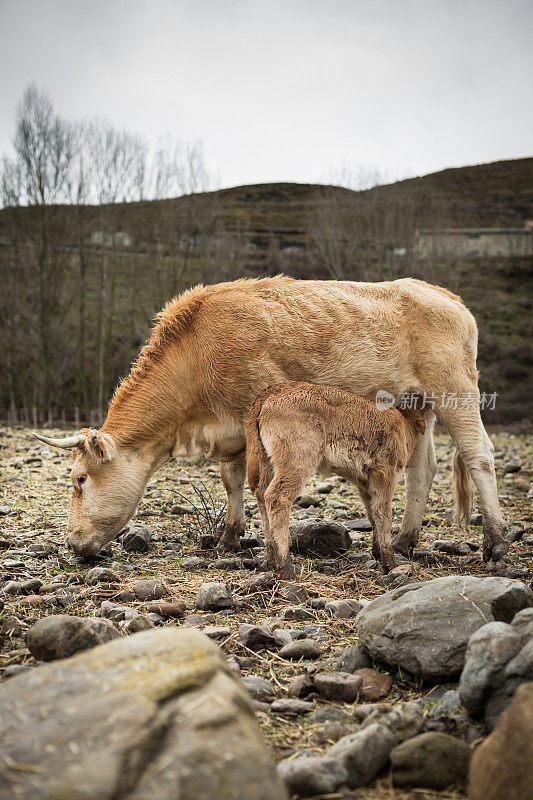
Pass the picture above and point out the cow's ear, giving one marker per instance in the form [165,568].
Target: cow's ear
[100,446]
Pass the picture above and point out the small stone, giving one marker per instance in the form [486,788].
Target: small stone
[403,721]
[136,624]
[292,592]
[325,488]
[297,613]
[449,703]
[339,686]
[15,669]
[116,612]
[255,583]
[217,631]
[31,586]
[181,510]
[13,563]
[320,538]
[101,575]
[61,636]
[331,732]
[343,609]
[363,754]
[300,686]
[49,588]
[259,688]
[291,707]
[214,597]
[13,587]
[150,590]
[392,580]
[227,563]
[125,597]
[137,539]
[301,648]
[9,627]
[194,562]
[432,761]
[358,524]
[312,776]
[513,465]
[375,684]
[257,637]
[353,659]
[307,500]
[329,714]
[167,608]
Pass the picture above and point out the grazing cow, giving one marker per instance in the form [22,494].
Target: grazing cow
[296,428]
[215,348]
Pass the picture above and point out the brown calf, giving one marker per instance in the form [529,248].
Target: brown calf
[295,428]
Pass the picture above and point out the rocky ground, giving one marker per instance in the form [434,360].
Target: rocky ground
[302,634]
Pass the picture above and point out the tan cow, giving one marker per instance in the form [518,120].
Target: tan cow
[296,428]
[215,348]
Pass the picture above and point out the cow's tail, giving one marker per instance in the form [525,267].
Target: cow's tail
[255,452]
[463,492]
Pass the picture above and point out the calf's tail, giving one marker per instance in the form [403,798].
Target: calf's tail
[254,446]
[463,492]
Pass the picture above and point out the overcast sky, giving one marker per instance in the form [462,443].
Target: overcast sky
[285,90]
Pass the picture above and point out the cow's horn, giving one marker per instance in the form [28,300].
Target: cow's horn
[66,444]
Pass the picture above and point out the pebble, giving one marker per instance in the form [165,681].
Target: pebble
[31,586]
[297,613]
[300,686]
[149,590]
[330,714]
[217,631]
[312,775]
[101,575]
[214,596]
[338,686]
[137,623]
[60,636]
[363,754]
[375,684]
[13,587]
[259,688]
[291,707]
[292,592]
[358,524]
[166,608]
[430,761]
[192,563]
[137,539]
[257,637]
[343,609]
[353,659]
[180,510]
[301,648]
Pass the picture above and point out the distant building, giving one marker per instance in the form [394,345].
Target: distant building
[104,239]
[472,242]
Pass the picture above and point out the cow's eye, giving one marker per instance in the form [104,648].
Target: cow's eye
[81,479]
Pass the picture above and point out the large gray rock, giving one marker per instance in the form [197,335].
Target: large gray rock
[499,658]
[61,636]
[319,538]
[155,715]
[425,627]
[501,765]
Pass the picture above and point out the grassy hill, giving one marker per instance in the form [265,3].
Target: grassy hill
[265,229]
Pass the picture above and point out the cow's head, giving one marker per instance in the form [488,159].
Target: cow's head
[107,484]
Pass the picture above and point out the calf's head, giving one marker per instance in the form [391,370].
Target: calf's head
[107,484]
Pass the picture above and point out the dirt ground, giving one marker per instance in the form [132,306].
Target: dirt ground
[34,491]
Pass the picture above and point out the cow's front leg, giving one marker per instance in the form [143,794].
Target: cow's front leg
[233,474]
[418,479]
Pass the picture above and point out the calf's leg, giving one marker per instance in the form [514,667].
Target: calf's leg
[233,474]
[381,490]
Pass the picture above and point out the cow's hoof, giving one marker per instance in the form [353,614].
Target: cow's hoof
[495,548]
[404,544]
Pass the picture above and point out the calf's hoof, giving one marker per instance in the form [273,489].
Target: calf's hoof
[229,541]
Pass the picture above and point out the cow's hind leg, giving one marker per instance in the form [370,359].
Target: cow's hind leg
[469,436]
[233,474]
[419,475]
